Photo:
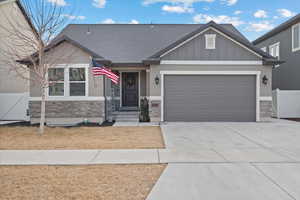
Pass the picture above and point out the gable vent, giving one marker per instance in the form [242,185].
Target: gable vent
[210,41]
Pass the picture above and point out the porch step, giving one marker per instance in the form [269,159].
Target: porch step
[126,116]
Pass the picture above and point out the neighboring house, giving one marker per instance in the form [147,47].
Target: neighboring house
[13,89]
[284,42]
[189,72]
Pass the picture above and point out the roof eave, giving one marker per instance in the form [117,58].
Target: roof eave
[272,62]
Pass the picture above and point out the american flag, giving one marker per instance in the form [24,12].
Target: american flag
[99,70]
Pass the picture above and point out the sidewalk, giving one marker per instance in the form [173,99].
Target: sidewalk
[78,157]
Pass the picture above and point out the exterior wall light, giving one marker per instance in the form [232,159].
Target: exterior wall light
[265,80]
[156,80]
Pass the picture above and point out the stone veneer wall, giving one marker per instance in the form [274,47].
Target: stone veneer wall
[265,109]
[154,110]
[71,111]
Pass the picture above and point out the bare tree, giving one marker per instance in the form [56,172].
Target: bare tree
[28,48]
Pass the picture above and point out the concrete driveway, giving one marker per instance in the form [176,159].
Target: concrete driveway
[230,161]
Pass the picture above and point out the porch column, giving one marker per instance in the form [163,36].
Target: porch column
[148,83]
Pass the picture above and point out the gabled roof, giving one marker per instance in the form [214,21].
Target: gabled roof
[220,28]
[128,43]
[278,29]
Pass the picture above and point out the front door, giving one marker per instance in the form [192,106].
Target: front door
[130,89]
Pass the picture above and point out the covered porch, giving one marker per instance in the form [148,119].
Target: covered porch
[123,100]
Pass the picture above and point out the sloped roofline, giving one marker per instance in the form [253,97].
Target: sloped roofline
[278,29]
[214,25]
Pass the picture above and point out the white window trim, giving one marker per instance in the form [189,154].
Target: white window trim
[256,73]
[208,37]
[277,44]
[67,82]
[64,82]
[295,49]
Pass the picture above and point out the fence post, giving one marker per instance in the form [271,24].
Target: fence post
[278,102]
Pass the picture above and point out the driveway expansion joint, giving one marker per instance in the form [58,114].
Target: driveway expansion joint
[272,180]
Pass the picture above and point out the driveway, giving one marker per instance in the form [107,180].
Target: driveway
[230,161]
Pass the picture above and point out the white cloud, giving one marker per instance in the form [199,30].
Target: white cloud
[202,18]
[177,9]
[133,21]
[72,17]
[260,26]
[260,14]
[285,13]
[99,3]
[229,2]
[238,12]
[108,21]
[58,2]
[185,2]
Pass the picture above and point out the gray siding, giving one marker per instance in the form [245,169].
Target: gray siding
[225,50]
[210,98]
[76,56]
[286,76]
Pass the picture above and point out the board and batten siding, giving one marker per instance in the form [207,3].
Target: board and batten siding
[225,50]
[286,76]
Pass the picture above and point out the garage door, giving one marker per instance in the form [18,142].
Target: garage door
[210,98]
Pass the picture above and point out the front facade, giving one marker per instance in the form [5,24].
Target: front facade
[207,73]
[284,42]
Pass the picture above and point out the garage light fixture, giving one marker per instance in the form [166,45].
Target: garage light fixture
[265,80]
[156,80]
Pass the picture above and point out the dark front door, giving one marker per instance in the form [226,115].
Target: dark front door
[130,89]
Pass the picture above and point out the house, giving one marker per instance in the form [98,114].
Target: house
[189,72]
[14,91]
[284,42]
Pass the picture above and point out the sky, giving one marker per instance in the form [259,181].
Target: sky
[252,17]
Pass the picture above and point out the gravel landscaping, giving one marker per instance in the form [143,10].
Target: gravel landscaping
[96,182]
[26,138]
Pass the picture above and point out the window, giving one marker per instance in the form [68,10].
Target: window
[264,49]
[210,41]
[77,81]
[69,81]
[296,37]
[274,51]
[56,82]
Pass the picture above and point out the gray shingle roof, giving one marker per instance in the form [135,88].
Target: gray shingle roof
[128,43]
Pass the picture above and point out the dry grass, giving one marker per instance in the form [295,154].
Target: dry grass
[20,138]
[101,182]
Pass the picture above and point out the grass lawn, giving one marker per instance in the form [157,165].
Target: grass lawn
[97,182]
[21,138]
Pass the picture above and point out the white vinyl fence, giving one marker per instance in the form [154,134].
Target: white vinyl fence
[14,106]
[286,103]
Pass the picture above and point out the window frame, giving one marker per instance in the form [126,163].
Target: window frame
[293,35]
[47,76]
[210,36]
[277,44]
[67,81]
